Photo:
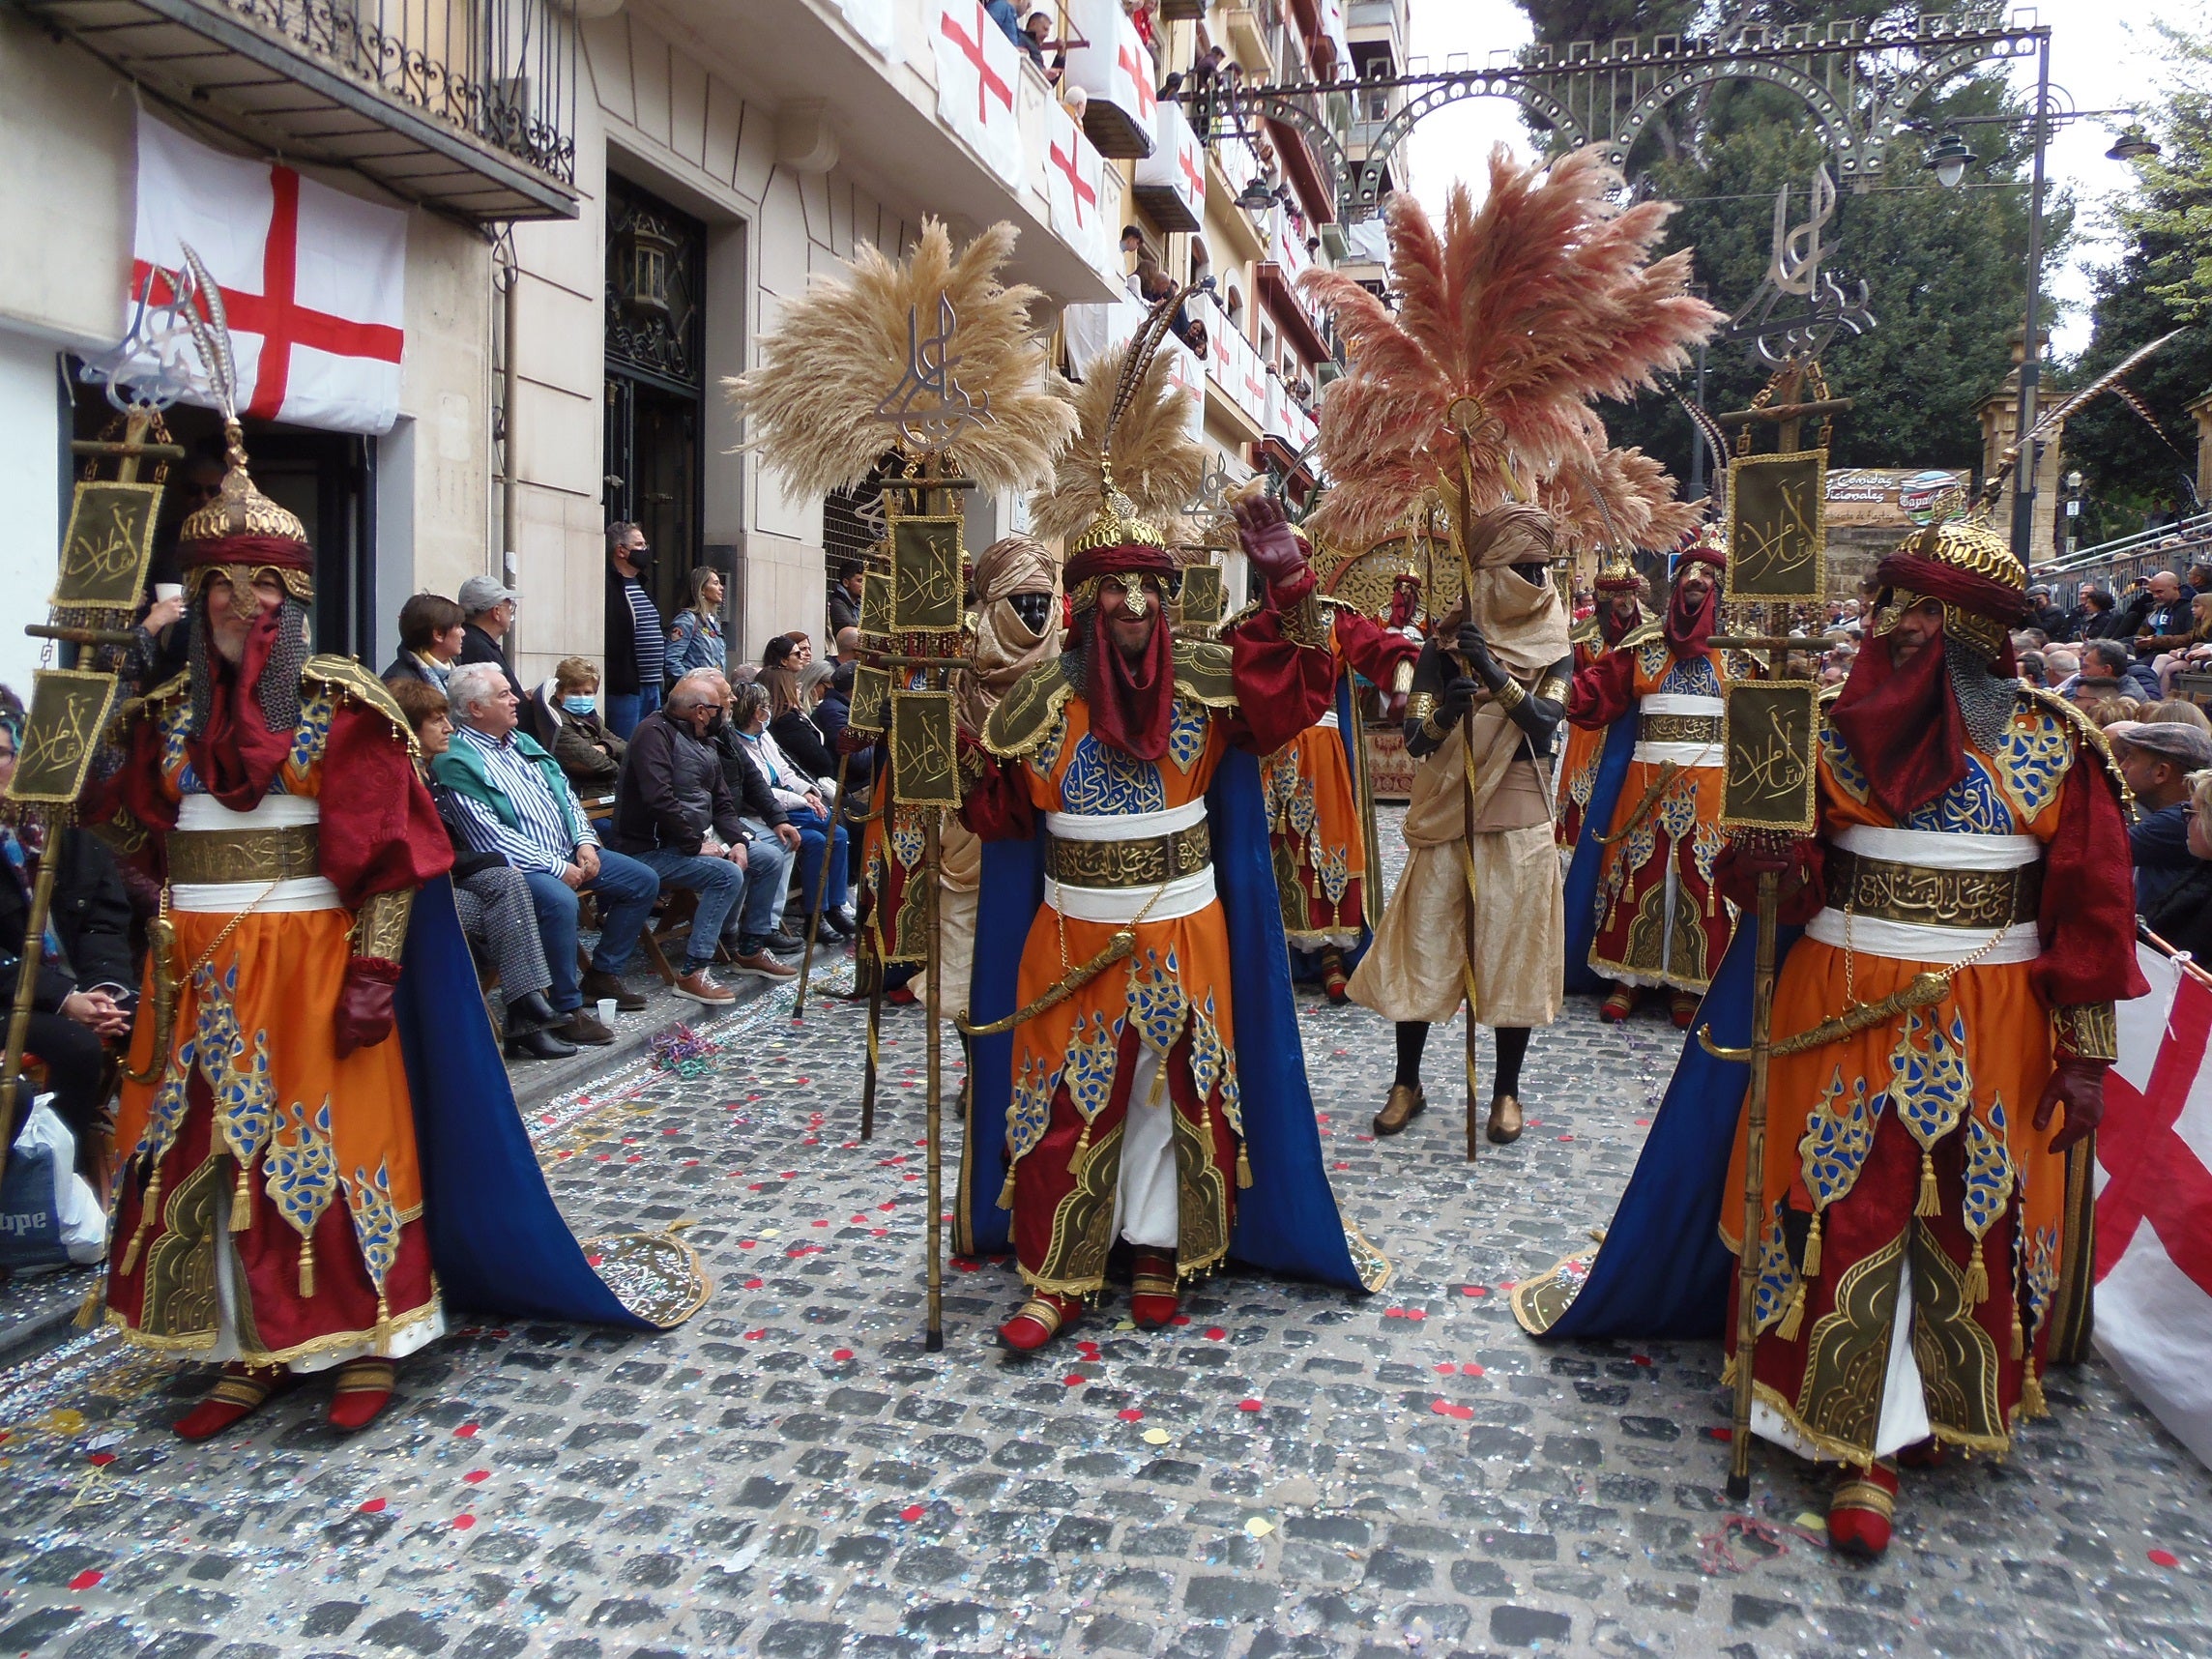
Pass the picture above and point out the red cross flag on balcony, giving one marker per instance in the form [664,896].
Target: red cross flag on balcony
[1113,67]
[978,69]
[1171,182]
[313,280]
[1074,188]
[2154,1205]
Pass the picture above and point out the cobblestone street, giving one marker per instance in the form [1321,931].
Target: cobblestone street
[1293,1472]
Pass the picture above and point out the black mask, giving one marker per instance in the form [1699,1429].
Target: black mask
[715,722]
[640,557]
[1032,608]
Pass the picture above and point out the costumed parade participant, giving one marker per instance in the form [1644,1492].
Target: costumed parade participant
[1473,393]
[285,1157]
[1660,920]
[1014,628]
[1619,617]
[1319,823]
[1152,1092]
[1941,1030]
[1477,912]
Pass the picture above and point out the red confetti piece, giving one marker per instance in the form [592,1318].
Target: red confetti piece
[1075,1379]
[842,1354]
[1394,1312]
[823,1223]
[1723,1433]
[2158,1559]
[1416,1313]
[1129,1414]
[1640,1358]
[476,1476]
[912,1512]
[754,1284]
[1214,1333]
[100,1460]
[1179,1319]
[1474,1290]
[1445,1409]
[889,1204]
[85,1579]
[1249,1405]
[1472,1371]
[595,1261]
[374,1506]
[1566,1137]
[462,1522]
[966,1265]
[1445,1370]
[755,1335]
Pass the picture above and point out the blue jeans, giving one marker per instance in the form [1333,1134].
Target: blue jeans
[768,875]
[625,889]
[1003,14]
[625,709]
[720,886]
[820,843]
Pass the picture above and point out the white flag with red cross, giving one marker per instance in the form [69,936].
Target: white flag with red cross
[1074,181]
[2153,1315]
[978,69]
[313,280]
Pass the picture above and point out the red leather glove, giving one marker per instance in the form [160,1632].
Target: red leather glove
[1269,539]
[2079,1085]
[365,1003]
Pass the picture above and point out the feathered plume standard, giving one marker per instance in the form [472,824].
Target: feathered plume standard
[1154,461]
[1507,326]
[1615,500]
[842,351]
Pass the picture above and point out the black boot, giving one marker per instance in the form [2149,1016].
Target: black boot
[537,1043]
[529,1012]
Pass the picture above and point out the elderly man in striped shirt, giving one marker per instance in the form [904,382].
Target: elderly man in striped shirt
[514,800]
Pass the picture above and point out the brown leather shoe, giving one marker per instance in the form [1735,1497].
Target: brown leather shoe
[699,986]
[1505,1126]
[1401,1107]
[583,1026]
[762,966]
[599,985]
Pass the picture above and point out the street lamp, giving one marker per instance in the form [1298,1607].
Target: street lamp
[2133,145]
[1948,159]
[1255,198]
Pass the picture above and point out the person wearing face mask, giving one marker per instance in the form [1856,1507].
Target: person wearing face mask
[1659,919]
[821,843]
[637,643]
[590,754]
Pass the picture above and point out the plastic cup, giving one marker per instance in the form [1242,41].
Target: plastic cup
[606,1010]
[168,590]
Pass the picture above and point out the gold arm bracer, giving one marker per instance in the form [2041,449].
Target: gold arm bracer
[1305,624]
[2085,1031]
[380,927]
[1421,706]
[1510,696]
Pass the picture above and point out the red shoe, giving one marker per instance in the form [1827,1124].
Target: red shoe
[1860,1511]
[901,998]
[1685,1011]
[1617,1006]
[363,1388]
[1332,977]
[240,1391]
[1038,1321]
[1155,1298]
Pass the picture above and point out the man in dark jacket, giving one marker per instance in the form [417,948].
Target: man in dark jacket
[845,597]
[488,615]
[636,636]
[2170,625]
[84,992]
[674,811]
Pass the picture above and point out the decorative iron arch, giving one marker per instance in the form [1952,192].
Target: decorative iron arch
[1858,84]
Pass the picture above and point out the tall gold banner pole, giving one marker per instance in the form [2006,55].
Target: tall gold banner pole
[933,1339]
[1754,1185]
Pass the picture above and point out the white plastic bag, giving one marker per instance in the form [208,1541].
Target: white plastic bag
[63,1217]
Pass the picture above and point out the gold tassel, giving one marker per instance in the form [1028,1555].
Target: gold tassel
[1812,1267]
[241,1202]
[146,1211]
[1930,1204]
[1727,1372]
[2032,1402]
[1977,1278]
[1794,1317]
[1244,1167]
[1006,1192]
[306,1266]
[2019,1335]
[1076,1160]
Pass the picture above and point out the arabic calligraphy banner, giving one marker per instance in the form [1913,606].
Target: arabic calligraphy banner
[1778,534]
[109,540]
[1769,733]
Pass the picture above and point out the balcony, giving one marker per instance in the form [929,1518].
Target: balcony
[466,106]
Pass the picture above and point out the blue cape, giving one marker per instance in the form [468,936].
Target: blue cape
[1286,1221]
[1663,1271]
[1582,871]
[496,1240]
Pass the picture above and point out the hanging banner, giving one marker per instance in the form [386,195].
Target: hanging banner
[978,69]
[1111,64]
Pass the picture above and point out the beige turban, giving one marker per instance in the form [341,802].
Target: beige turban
[1005,646]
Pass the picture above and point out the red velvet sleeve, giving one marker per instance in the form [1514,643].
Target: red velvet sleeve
[998,806]
[135,788]
[1282,686]
[1373,650]
[380,831]
[2087,918]
[1604,691]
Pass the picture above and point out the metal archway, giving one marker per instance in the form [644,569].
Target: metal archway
[1858,83]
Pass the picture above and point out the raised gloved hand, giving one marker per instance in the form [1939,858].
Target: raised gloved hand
[365,1003]
[1268,539]
[2079,1085]
[1459,696]
[1474,650]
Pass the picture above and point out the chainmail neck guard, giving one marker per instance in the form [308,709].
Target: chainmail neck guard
[1985,699]
[279,690]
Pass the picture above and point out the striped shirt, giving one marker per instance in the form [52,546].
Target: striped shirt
[652,638]
[539,839]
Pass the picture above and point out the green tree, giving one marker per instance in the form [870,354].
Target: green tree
[1944,269]
[2162,281]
